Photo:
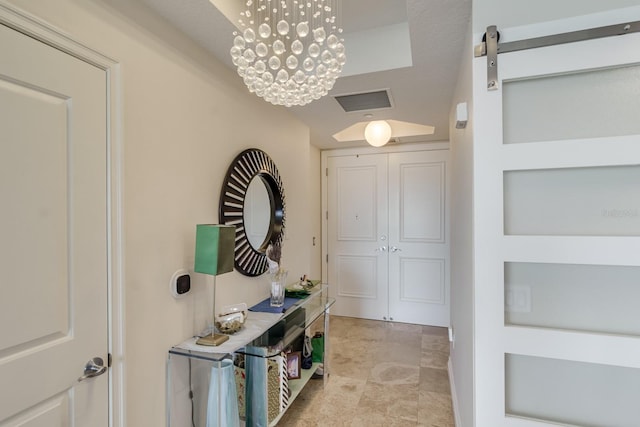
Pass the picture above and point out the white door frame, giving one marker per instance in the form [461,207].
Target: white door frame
[38,29]
[402,148]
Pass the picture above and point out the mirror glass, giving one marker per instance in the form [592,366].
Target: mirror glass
[257,213]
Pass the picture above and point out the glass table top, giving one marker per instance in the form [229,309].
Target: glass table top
[264,334]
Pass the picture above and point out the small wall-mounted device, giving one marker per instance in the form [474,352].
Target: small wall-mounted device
[180,283]
[461,115]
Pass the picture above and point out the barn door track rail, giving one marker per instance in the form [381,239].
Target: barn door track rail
[491,46]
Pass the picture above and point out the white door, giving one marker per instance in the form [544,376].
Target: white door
[357,235]
[557,233]
[418,238]
[53,235]
[387,243]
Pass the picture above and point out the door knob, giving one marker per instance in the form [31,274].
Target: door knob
[94,367]
[394,249]
[381,249]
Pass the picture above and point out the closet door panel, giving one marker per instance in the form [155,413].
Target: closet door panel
[418,244]
[421,191]
[422,280]
[357,225]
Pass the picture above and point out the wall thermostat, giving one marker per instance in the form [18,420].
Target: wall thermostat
[180,284]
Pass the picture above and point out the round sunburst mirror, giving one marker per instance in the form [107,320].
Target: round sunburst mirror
[252,200]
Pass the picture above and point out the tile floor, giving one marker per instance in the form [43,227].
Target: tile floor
[382,374]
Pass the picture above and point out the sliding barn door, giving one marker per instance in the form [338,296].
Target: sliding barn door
[557,240]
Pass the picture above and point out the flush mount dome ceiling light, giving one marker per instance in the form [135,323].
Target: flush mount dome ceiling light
[289,52]
[377,133]
[396,128]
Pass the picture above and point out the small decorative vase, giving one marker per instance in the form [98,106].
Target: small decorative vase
[278,283]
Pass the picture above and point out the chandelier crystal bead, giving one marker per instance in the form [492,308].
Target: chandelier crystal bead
[289,52]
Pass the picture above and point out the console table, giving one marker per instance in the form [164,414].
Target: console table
[192,370]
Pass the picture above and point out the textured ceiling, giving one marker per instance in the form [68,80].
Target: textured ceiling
[421,90]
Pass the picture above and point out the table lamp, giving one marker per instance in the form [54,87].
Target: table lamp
[215,246]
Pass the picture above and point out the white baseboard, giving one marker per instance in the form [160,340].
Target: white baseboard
[454,396]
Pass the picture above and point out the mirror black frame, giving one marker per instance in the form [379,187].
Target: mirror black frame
[247,165]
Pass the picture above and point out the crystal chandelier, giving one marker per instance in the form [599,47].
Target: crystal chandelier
[289,52]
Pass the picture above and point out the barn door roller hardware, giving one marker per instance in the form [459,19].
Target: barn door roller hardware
[490,46]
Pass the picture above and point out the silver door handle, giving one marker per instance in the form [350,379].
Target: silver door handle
[381,249]
[94,367]
[394,249]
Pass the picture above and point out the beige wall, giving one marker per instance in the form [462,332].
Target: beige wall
[462,255]
[185,117]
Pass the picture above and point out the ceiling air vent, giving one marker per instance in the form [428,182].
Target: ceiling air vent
[364,101]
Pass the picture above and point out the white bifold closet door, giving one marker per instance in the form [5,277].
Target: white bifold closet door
[388,250]
[558,236]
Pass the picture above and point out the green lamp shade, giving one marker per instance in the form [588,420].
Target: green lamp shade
[215,246]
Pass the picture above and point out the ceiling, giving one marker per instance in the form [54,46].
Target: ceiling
[412,48]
